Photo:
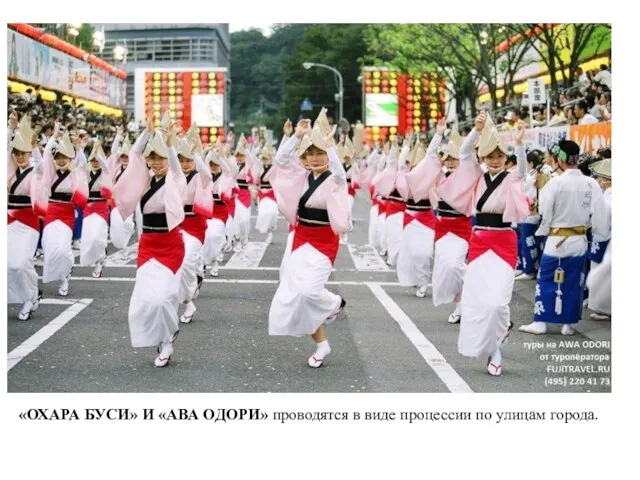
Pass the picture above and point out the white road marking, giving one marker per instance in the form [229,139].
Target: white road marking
[256,269]
[366,258]
[121,258]
[229,280]
[40,261]
[427,350]
[249,257]
[42,335]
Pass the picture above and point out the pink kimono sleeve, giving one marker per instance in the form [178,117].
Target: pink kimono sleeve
[337,198]
[288,186]
[133,181]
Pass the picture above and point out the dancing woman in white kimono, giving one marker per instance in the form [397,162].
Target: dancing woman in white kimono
[23,226]
[347,153]
[415,260]
[223,171]
[267,207]
[120,230]
[242,213]
[64,186]
[498,199]
[318,207]
[198,208]
[95,226]
[153,310]
[599,278]
[386,184]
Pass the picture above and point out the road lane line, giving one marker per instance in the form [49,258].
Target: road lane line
[230,280]
[365,258]
[42,335]
[427,350]
[122,257]
[249,257]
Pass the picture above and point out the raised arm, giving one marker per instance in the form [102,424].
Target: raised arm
[467,153]
[112,161]
[203,169]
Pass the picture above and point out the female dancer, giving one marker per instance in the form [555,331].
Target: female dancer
[223,176]
[95,226]
[498,199]
[153,311]
[416,252]
[347,153]
[267,207]
[198,208]
[242,215]
[64,186]
[318,207]
[120,230]
[23,226]
[599,279]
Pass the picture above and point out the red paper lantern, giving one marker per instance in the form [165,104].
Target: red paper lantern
[221,83]
[220,75]
[221,89]
[367,74]
[409,105]
[220,131]
[409,98]
[367,90]
[164,75]
[409,90]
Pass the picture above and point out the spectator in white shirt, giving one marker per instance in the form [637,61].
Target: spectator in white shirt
[580,111]
[583,80]
[603,77]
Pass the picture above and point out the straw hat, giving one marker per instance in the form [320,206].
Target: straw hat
[602,168]
[22,139]
[490,140]
[320,130]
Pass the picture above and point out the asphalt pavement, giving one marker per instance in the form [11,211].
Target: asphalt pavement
[386,340]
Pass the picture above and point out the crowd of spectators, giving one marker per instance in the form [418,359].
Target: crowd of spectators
[76,119]
[587,100]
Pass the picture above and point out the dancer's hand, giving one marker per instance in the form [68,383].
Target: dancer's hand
[481,121]
[520,133]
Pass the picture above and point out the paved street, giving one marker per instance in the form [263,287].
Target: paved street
[387,340]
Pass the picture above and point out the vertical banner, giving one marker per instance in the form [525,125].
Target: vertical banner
[402,104]
[186,119]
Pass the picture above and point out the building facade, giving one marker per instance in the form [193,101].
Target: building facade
[165,45]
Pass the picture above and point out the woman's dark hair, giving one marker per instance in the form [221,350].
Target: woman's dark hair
[591,100]
[511,160]
[535,157]
[604,153]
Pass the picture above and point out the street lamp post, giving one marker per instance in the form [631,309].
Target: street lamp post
[308,65]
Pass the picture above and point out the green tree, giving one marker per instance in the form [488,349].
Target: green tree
[257,73]
[341,46]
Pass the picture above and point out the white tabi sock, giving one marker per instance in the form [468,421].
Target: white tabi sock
[458,310]
[322,349]
[190,310]
[496,357]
